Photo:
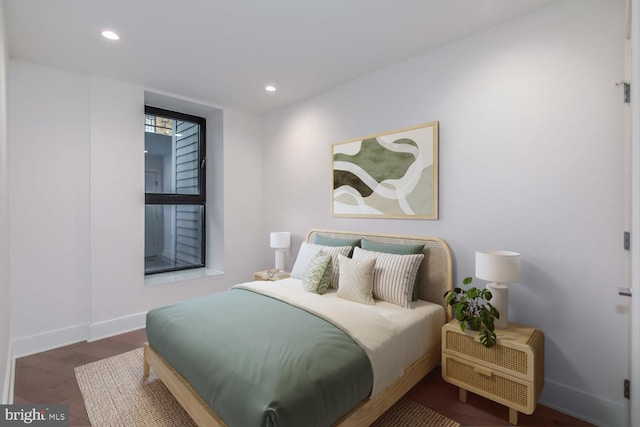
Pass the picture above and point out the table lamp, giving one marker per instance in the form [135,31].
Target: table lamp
[280,240]
[499,267]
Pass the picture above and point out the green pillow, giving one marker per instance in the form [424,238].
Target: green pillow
[392,248]
[396,249]
[318,274]
[332,241]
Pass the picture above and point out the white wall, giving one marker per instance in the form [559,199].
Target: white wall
[5,315]
[119,297]
[77,243]
[117,199]
[49,204]
[531,160]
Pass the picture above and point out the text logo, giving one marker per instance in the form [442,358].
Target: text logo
[34,415]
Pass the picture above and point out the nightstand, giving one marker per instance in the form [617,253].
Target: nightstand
[510,373]
[270,275]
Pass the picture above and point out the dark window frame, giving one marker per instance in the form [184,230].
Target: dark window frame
[199,199]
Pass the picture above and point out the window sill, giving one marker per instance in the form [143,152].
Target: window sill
[179,276]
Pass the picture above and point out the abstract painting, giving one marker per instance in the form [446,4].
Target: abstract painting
[389,175]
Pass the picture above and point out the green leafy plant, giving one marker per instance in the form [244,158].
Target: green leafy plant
[472,309]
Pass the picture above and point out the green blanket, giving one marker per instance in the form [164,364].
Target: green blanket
[258,361]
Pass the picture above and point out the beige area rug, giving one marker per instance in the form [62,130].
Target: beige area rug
[115,394]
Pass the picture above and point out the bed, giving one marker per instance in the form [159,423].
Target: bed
[365,399]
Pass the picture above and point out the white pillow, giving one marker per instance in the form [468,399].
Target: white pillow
[393,276]
[306,254]
[356,279]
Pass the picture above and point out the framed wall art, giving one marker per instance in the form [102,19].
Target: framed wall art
[389,175]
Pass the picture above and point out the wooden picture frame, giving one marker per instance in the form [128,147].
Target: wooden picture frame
[388,175]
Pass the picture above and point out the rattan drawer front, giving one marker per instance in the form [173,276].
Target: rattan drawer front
[509,358]
[510,391]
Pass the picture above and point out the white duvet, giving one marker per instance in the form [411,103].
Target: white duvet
[392,337]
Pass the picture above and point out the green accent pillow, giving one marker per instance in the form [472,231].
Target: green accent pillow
[318,274]
[396,249]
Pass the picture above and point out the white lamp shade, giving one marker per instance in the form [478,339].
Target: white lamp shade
[280,239]
[498,266]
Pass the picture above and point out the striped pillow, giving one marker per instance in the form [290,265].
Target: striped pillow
[306,254]
[393,276]
[394,248]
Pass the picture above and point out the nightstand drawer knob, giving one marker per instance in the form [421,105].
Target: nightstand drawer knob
[483,371]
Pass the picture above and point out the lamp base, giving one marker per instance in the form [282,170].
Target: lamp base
[280,259]
[500,300]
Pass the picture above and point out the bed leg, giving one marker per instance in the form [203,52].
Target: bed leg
[145,364]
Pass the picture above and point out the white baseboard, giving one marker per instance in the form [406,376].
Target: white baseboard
[117,326]
[577,403]
[7,387]
[26,346]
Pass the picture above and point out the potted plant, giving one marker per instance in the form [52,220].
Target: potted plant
[472,309]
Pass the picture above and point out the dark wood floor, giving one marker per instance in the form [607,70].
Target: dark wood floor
[49,378]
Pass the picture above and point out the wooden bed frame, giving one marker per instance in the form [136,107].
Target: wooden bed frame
[434,279]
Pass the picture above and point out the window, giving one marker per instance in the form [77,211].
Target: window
[175,193]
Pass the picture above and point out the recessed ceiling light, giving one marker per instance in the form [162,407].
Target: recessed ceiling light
[178,134]
[270,88]
[108,34]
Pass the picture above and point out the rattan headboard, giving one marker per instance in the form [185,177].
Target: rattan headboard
[435,275]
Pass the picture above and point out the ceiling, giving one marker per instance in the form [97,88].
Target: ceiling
[226,52]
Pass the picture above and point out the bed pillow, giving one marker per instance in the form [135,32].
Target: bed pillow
[394,248]
[332,241]
[316,279]
[393,276]
[356,279]
[306,253]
